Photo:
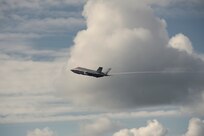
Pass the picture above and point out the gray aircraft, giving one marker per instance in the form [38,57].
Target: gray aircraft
[88,72]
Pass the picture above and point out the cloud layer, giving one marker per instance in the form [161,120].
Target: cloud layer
[104,126]
[129,37]
[37,20]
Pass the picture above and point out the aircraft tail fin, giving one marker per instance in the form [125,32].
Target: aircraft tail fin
[108,70]
[100,69]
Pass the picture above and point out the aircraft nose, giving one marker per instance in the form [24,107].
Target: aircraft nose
[73,70]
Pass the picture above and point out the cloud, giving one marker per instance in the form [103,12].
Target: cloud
[26,52]
[37,4]
[180,8]
[28,75]
[50,25]
[195,128]
[47,108]
[27,20]
[153,128]
[99,127]
[143,114]
[129,38]
[191,3]
[196,107]
[39,27]
[27,91]
[42,132]
[182,43]
[17,36]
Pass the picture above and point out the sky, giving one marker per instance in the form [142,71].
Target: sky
[40,41]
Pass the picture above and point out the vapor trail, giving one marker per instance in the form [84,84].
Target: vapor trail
[158,72]
[139,72]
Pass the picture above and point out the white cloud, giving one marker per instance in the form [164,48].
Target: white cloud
[129,37]
[153,128]
[27,90]
[195,128]
[26,76]
[182,43]
[42,132]
[100,127]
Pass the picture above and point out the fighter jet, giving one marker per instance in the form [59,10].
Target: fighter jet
[88,72]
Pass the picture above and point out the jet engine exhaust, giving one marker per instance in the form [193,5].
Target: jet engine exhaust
[157,72]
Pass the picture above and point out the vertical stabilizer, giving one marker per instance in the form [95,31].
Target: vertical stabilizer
[100,69]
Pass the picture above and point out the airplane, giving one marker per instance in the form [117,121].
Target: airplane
[88,72]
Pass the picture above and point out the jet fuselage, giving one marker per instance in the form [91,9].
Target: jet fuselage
[88,72]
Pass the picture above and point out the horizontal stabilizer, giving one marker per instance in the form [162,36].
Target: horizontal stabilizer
[106,72]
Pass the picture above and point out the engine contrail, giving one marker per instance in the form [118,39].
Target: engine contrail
[157,72]
[138,72]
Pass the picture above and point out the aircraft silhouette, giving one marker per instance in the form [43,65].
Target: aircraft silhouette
[88,72]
